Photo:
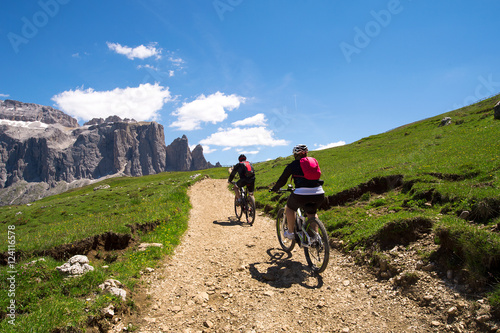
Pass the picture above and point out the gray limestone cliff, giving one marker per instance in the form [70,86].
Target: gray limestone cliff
[42,145]
[29,112]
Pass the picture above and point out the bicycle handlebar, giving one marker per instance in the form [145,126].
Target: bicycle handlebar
[288,189]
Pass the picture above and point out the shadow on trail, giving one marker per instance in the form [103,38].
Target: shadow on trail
[231,221]
[283,272]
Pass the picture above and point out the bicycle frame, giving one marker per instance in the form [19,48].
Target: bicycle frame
[314,242]
[247,206]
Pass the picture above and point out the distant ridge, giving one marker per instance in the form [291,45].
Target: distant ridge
[43,150]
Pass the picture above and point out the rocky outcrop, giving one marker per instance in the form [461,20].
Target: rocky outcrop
[179,155]
[40,144]
[110,119]
[52,154]
[28,112]
[497,110]
[198,161]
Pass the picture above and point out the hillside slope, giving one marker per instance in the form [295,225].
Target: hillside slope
[436,179]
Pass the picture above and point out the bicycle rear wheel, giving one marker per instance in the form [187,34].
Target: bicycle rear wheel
[250,210]
[281,226]
[318,253]
[238,208]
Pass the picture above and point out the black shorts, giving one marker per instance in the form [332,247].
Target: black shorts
[250,184]
[310,203]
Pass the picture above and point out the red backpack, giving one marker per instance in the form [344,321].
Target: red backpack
[249,172]
[310,167]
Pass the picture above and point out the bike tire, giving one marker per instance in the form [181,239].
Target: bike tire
[238,209]
[250,210]
[318,255]
[286,244]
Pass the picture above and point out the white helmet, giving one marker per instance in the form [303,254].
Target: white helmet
[299,149]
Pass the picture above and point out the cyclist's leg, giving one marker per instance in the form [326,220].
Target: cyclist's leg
[250,187]
[311,208]
[292,204]
[237,189]
[290,218]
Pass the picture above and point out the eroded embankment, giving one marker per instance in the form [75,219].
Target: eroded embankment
[109,241]
[378,185]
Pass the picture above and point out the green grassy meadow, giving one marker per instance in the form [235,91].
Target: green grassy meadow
[444,170]
[44,299]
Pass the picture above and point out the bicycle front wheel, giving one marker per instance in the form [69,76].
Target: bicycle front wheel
[250,210]
[281,226]
[238,209]
[318,253]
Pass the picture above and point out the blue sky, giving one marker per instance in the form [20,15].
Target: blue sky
[253,77]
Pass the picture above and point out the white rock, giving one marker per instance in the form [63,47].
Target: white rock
[118,292]
[144,246]
[76,265]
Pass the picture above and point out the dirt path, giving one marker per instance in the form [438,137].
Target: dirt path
[229,277]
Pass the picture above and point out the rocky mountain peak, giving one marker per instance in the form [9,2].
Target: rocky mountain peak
[110,119]
[40,150]
[29,112]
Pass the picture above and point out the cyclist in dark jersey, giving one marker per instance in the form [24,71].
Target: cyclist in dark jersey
[308,193]
[246,178]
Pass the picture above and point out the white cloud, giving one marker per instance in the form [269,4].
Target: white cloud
[151,67]
[141,51]
[208,150]
[329,145]
[140,103]
[243,137]
[4,95]
[257,120]
[205,109]
[177,62]
[252,152]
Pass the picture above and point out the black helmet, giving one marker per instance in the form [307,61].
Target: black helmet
[242,158]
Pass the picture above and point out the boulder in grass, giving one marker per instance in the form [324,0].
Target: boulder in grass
[445,121]
[76,266]
[114,287]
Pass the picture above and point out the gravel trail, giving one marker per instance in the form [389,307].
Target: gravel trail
[229,277]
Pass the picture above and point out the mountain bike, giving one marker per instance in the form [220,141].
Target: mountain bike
[246,205]
[315,244]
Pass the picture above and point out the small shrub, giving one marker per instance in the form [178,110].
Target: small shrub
[365,196]
[378,202]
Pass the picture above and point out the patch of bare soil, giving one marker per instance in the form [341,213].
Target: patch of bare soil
[226,276]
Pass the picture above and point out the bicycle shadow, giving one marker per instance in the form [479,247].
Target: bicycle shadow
[230,222]
[282,272]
